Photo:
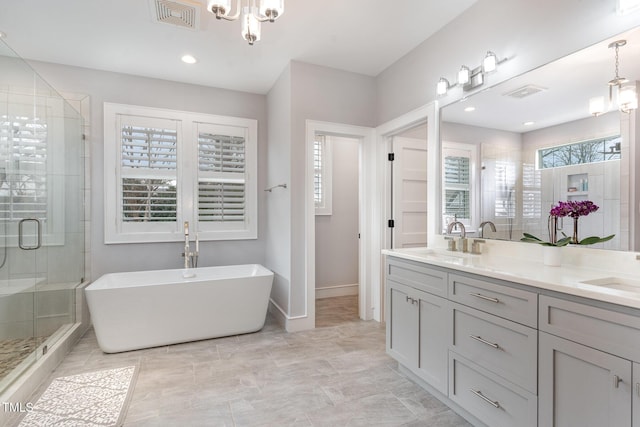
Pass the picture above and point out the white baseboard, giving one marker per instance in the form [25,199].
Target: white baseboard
[291,324]
[337,291]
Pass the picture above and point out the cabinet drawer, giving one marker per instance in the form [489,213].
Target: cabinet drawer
[489,398]
[606,330]
[417,275]
[500,300]
[503,347]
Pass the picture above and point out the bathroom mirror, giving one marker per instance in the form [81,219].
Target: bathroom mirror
[510,152]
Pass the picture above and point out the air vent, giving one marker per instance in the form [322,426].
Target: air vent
[182,13]
[525,91]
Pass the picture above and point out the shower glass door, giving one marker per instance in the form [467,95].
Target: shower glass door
[41,215]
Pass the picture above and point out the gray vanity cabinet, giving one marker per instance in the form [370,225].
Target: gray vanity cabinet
[581,386]
[418,330]
[587,374]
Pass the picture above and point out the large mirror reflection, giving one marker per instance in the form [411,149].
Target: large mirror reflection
[511,152]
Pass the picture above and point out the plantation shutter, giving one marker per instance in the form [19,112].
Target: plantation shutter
[317,168]
[531,191]
[505,183]
[23,177]
[457,186]
[222,176]
[148,170]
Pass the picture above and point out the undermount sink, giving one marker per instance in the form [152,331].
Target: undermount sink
[617,283]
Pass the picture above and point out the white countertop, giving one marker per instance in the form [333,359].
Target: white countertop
[532,272]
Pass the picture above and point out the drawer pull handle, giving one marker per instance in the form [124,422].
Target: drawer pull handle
[413,301]
[490,344]
[486,298]
[485,398]
[616,381]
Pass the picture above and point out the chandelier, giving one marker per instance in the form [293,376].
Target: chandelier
[251,16]
[626,95]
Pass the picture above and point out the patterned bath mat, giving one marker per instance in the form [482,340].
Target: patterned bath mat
[98,398]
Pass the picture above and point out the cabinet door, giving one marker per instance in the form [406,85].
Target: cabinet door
[402,324]
[435,336]
[582,387]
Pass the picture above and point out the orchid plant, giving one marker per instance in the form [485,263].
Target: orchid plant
[573,209]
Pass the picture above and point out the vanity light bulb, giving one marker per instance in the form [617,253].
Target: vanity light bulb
[464,75]
[490,62]
[596,105]
[250,25]
[223,6]
[272,9]
[628,99]
[442,87]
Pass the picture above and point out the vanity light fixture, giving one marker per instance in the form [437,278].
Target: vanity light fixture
[252,15]
[470,78]
[626,95]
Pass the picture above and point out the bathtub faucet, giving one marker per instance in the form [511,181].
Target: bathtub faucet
[190,258]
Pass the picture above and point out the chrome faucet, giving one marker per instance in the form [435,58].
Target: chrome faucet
[190,258]
[463,235]
[482,225]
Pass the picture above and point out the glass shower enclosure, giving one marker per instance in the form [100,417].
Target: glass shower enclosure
[41,215]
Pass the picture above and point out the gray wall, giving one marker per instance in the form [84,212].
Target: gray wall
[126,89]
[337,234]
[324,94]
[278,202]
[531,33]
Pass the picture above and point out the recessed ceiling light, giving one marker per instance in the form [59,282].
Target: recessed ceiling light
[528,123]
[469,109]
[189,59]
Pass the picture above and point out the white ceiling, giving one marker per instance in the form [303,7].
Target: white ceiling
[362,36]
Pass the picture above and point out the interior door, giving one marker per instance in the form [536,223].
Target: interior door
[409,192]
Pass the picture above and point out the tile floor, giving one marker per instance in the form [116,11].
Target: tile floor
[335,375]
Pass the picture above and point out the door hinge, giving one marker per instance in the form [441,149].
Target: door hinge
[391,223]
[391,157]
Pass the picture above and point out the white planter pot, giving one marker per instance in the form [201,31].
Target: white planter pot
[552,255]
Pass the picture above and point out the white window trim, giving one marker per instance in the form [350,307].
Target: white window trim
[187,176]
[326,204]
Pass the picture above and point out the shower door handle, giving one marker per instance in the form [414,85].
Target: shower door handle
[39,229]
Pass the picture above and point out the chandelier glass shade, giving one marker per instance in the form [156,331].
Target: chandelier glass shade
[251,14]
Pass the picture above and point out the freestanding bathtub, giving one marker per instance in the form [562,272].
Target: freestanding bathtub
[152,308]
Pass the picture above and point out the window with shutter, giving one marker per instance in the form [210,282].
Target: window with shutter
[221,176]
[174,166]
[322,175]
[148,171]
[458,189]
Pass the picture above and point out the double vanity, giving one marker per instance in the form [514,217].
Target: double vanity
[506,341]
